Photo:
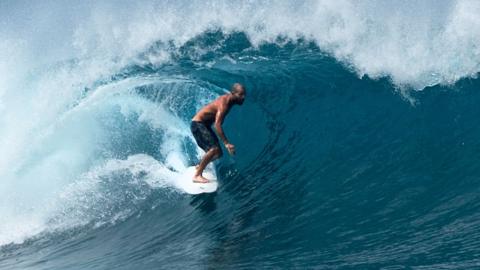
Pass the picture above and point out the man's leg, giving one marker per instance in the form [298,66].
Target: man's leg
[212,154]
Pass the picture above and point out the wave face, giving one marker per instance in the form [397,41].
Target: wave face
[357,146]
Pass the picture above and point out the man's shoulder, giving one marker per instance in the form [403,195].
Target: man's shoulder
[222,100]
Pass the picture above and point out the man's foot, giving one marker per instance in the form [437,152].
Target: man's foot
[200,179]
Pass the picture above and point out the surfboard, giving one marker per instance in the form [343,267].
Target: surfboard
[185,182]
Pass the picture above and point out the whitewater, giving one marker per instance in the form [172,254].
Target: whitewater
[357,145]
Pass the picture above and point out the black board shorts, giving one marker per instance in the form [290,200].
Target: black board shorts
[204,136]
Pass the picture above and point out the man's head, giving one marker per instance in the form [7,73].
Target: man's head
[238,92]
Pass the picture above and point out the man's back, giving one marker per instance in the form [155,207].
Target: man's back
[208,113]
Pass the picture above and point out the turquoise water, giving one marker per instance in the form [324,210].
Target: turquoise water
[356,146]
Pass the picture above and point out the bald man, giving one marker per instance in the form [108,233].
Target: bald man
[214,112]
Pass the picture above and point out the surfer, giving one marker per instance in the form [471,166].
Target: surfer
[214,113]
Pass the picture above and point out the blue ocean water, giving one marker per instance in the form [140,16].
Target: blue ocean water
[357,145]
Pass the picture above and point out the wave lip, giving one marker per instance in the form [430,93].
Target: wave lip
[414,44]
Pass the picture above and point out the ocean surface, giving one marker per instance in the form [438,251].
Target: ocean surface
[358,145]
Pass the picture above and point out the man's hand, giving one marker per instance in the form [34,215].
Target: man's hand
[231,148]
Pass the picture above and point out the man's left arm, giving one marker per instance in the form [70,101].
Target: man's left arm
[220,116]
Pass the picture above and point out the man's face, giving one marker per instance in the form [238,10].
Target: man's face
[240,96]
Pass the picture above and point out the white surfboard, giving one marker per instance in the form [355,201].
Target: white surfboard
[186,183]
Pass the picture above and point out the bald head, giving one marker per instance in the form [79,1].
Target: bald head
[237,88]
[238,92]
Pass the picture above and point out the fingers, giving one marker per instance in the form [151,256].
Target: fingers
[231,150]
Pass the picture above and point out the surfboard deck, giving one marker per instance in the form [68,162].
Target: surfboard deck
[186,183]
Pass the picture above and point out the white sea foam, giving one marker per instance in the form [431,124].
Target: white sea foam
[53,178]
[415,43]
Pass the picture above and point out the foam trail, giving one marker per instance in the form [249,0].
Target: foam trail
[93,198]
